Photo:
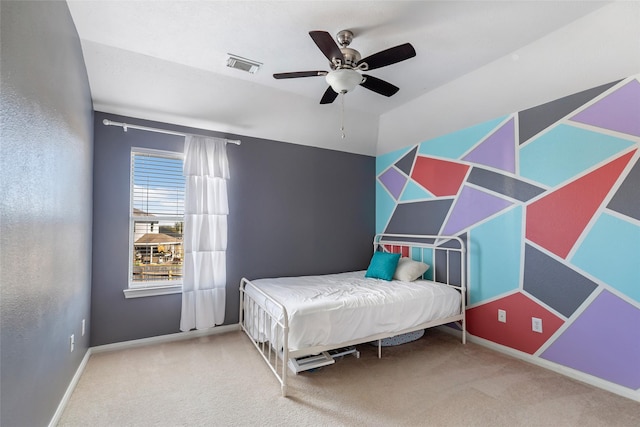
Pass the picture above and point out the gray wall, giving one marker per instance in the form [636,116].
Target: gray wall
[293,210]
[45,208]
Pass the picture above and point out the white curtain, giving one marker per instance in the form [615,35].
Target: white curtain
[206,171]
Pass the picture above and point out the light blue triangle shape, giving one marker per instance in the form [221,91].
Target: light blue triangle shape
[384,161]
[497,273]
[385,205]
[566,151]
[610,253]
[413,191]
[456,144]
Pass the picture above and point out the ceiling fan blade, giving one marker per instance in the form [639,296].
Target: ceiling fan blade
[327,45]
[389,56]
[329,96]
[379,86]
[297,74]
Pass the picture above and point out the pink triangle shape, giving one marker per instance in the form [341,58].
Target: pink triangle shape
[557,220]
[498,150]
[471,207]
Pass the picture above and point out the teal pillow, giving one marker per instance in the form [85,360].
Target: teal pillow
[382,266]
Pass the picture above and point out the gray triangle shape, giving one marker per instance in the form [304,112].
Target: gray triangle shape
[536,119]
[419,217]
[554,283]
[503,184]
[406,163]
[625,201]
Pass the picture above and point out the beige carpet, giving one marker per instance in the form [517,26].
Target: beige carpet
[220,380]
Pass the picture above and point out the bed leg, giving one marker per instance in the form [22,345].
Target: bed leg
[464,332]
[379,349]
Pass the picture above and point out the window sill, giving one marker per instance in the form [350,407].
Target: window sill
[152,291]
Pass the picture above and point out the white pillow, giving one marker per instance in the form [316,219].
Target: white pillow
[409,270]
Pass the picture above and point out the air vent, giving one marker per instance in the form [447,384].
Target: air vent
[244,64]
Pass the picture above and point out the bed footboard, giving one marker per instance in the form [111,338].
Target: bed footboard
[268,333]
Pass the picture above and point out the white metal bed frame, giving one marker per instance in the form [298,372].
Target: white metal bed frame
[263,320]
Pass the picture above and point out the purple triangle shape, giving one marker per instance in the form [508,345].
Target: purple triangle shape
[498,150]
[618,111]
[610,356]
[471,207]
[394,181]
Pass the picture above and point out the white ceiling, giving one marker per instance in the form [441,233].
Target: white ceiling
[166,60]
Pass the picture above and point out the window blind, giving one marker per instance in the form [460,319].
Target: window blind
[158,185]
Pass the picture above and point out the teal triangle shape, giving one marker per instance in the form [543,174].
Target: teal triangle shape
[567,151]
[413,191]
[497,271]
[456,144]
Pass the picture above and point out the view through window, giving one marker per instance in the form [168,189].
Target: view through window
[157,218]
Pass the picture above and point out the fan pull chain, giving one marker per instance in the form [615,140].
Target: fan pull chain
[342,127]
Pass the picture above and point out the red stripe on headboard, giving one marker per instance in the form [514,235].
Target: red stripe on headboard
[397,249]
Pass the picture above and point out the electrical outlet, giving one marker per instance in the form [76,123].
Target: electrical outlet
[83,326]
[536,324]
[72,342]
[502,316]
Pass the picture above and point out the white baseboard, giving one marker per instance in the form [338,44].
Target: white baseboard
[70,388]
[132,344]
[563,370]
[166,338]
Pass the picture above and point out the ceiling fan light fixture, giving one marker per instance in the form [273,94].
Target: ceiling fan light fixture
[343,80]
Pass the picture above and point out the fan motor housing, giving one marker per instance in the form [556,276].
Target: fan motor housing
[351,57]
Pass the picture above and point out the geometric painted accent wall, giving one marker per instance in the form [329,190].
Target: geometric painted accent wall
[548,200]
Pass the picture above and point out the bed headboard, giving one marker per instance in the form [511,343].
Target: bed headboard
[446,255]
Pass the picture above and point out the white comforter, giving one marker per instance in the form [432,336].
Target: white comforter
[337,308]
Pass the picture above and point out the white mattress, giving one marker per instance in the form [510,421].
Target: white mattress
[337,308]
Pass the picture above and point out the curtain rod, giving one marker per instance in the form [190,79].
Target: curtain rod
[126,126]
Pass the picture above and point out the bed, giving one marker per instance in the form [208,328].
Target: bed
[290,318]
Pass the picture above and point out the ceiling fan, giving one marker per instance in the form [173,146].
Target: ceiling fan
[346,64]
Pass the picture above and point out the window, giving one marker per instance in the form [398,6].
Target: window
[156,223]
